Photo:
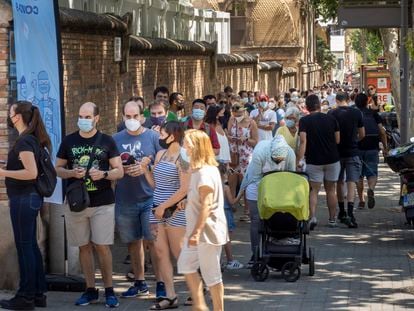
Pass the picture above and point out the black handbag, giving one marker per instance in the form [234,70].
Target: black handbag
[76,193]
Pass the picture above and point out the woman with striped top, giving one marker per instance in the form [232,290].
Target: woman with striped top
[170,180]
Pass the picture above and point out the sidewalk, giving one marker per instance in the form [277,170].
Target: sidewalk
[356,269]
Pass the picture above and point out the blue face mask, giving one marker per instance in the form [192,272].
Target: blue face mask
[290,123]
[158,120]
[85,125]
[184,156]
[264,105]
[198,114]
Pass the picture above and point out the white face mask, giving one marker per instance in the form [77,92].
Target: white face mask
[132,125]
[239,119]
[184,155]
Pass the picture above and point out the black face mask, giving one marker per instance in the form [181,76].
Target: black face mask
[163,143]
[10,122]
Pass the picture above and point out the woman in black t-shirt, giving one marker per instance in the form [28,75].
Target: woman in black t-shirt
[25,203]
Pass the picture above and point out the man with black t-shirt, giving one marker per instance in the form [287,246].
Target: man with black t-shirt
[369,149]
[319,136]
[92,228]
[352,130]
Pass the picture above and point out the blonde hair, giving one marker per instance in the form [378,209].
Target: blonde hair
[202,152]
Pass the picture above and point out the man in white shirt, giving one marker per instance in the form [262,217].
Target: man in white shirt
[265,118]
[331,98]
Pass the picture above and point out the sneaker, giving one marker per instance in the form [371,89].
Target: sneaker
[127,260]
[250,264]
[90,296]
[361,205]
[371,198]
[18,303]
[130,276]
[332,223]
[139,288]
[234,265]
[342,216]
[245,217]
[111,301]
[40,301]
[160,292]
[351,222]
[313,223]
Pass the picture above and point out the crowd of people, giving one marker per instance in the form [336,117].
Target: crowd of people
[169,180]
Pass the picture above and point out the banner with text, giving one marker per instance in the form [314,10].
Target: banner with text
[38,66]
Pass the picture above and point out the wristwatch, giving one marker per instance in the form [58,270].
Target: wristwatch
[105,174]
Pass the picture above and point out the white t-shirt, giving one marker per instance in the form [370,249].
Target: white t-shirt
[215,230]
[331,99]
[269,116]
[224,155]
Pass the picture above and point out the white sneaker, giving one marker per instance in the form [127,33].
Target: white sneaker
[234,265]
[332,224]
[312,223]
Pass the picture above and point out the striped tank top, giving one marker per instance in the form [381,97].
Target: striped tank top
[167,182]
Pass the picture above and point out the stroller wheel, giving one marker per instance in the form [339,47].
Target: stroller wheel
[259,272]
[311,261]
[291,271]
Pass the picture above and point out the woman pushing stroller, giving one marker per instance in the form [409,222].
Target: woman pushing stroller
[269,155]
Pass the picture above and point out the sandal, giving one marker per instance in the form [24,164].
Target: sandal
[166,303]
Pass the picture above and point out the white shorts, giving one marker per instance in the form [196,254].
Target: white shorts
[93,224]
[205,257]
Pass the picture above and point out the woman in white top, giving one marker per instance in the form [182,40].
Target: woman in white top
[206,230]
[214,116]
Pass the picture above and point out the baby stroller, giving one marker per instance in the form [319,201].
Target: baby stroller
[283,204]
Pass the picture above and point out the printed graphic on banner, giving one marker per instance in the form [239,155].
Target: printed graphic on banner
[37,66]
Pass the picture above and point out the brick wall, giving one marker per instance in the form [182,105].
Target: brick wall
[239,77]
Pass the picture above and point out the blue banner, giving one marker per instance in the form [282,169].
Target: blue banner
[38,65]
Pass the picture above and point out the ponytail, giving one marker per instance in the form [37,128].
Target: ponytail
[33,120]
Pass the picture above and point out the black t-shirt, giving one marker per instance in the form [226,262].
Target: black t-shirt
[14,186]
[371,120]
[321,148]
[349,120]
[76,150]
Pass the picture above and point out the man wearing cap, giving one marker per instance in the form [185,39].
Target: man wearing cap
[265,118]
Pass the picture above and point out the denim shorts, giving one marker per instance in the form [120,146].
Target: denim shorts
[350,169]
[370,160]
[230,219]
[132,221]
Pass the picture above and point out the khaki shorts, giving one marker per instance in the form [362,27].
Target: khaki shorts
[205,257]
[94,224]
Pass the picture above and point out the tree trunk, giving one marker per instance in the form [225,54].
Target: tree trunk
[389,38]
[364,46]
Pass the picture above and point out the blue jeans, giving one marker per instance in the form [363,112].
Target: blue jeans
[23,212]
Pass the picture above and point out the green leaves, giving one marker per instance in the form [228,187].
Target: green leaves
[326,59]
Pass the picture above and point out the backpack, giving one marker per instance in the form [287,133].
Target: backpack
[46,176]
[370,124]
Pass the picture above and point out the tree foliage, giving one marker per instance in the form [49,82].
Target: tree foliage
[374,46]
[326,9]
[326,59]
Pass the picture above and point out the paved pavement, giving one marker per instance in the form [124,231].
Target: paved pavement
[356,269]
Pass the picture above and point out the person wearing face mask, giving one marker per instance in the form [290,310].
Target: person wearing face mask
[161,93]
[93,228]
[268,155]
[177,106]
[242,134]
[134,195]
[170,179]
[290,130]
[158,115]
[196,121]
[265,118]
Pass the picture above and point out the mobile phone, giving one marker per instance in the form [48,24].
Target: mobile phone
[3,162]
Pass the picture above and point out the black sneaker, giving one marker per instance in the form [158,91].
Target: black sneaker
[342,217]
[18,303]
[127,260]
[351,222]
[250,264]
[371,199]
[40,301]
